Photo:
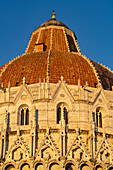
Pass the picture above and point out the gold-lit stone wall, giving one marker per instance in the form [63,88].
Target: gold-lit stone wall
[43,143]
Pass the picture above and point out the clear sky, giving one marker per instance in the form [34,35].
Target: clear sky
[91,20]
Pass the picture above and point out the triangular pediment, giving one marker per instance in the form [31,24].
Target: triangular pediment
[23,94]
[16,150]
[99,98]
[78,149]
[46,148]
[62,92]
[104,152]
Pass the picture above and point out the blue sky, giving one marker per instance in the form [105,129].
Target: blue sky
[91,20]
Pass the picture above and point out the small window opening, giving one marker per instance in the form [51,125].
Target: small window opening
[95,84]
[24,116]
[98,118]
[17,83]
[62,112]
[40,47]
[58,115]
[65,116]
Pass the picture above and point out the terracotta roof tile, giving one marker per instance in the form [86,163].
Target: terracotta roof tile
[72,67]
[59,42]
[45,37]
[32,66]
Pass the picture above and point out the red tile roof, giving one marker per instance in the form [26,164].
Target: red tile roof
[45,37]
[59,41]
[34,66]
[72,67]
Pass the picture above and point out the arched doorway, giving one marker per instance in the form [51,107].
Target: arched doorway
[70,166]
[54,166]
[25,166]
[99,167]
[10,167]
[85,167]
[39,167]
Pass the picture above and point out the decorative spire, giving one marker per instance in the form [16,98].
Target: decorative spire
[24,80]
[53,15]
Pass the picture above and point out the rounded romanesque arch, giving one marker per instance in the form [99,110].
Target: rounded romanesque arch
[70,166]
[62,112]
[10,167]
[25,166]
[23,115]
[84,167]
[98,167]
[99,112]
[39,166]
[54,166]
[111,168]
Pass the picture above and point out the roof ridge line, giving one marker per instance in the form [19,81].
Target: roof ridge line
[76,43]
[93,67]
[37,39]
[66,40]
[106,67]
[30,40]
[9,62]
[49,53]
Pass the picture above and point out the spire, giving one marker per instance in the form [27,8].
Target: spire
[53,15]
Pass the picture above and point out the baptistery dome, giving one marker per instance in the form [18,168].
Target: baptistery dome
[53,52]
[56,106]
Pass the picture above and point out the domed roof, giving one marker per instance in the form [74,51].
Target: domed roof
[53,52]
[52,22]
[34,66]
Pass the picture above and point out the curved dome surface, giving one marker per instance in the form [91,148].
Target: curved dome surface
[52,22]
[53,52]
[34,66]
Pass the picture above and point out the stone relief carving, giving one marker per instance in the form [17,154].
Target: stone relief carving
[23,96]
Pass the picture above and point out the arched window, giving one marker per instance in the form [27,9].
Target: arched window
[99,167]
[98,118]
[62,113]
[65,115]
[54,166]
[25,167]
[27,116]
[70,166]
[24,115]
[39,166]
[10,167]
[58,115]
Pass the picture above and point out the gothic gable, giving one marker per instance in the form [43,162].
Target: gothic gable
[62,92]
[78,150]
[105,152]
[18,150]
[23,94]
[47,149]
[99,98]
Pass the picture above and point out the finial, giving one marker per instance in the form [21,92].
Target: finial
[24,80]
[53,15]
[62,78]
